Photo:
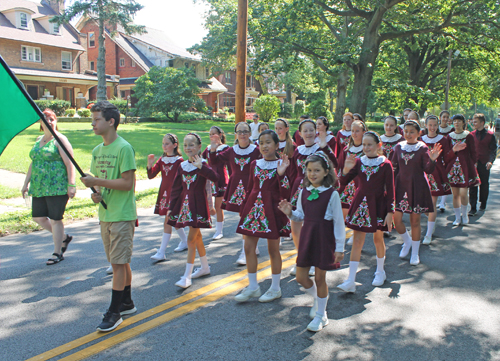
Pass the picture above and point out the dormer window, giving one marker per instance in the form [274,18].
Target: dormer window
[23,20]
[55,28]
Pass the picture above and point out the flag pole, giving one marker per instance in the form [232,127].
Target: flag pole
[42,117]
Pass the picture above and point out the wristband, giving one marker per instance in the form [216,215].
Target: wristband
[72,185]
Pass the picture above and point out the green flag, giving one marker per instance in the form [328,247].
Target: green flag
[16,111]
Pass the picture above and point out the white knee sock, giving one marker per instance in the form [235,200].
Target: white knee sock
[464,210]
[415,245]
[442,203]
[430,228]
[275,283]
[218,227]
[164,242]
[243,249]
[182,235]
[457,214]
[312,290]
[204,262]
[406,237]
[353,268]
[189,270]
[252,280]
[322,306]
[380,264]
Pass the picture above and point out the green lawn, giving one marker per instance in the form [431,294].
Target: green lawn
[7,192]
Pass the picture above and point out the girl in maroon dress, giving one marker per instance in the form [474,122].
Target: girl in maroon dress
[344,134]
[238,158]
[217,135]
[286,144]
[444,128]
[189,205]
[390,138]
[438,180]
[323,235]
[307,130]
[461,169]
[322,125]
[411,160]
[167,165]
[260,217]
[372,208]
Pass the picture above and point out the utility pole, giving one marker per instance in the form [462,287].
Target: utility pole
[241,61]
[446,104]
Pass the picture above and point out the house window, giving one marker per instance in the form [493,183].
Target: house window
[122,62]
[249,81]
[207,72]
[133,64]
[228,77]
[91,40]
[186,65]
[92,65]
[23,20]
[122,94]
[171,63]
[55,28]
[66,60]
[30,53]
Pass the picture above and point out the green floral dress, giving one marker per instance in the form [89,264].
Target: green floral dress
[49,176]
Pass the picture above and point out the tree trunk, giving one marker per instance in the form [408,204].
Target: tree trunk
[331,100]
[288,90]
[101,64]
[341,96]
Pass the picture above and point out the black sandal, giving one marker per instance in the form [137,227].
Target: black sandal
[52,261]
[65,243]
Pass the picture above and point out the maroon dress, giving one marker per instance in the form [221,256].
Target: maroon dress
[298,166]
[239,160]
[342,140]
[347,194]
[298,138]
[168,168]
[218,188]
[410,163]
[438,181]
[282,146]
[374,197]
[188,201]
[445,131]
[330,140]
[461,167]
[388,143]
[260,216]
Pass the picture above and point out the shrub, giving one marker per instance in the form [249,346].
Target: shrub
[267,106]
[84,113]
[58,106]
[286,110]
[121,104]
[300,108]
[70,112]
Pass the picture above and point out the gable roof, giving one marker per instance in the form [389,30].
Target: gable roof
[132,51]
[37,34]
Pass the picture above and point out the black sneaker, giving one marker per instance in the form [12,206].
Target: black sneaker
[472,213]
[110,321]
[127,308]
[482,209]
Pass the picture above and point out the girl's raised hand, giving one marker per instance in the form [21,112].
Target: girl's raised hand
[436,150]
[283,165]
[285,207]
[388,221]
[214,142]
[196,161]
[151,160]
[458,147]
[349,163]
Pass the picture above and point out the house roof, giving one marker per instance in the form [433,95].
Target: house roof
[133,52]
[37,34]
[57,74]
[213,85]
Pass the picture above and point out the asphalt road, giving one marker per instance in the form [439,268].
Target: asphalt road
[447,308]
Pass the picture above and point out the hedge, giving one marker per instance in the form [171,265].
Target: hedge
[58,106]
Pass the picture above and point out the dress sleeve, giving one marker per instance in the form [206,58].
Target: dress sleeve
[176,189]
[155,170]
[389,187]
[395,160]
[298,214]
[293,167]
[208,173]
[284,184]
[450,154]
[333,145]
[220,157]
[338,221]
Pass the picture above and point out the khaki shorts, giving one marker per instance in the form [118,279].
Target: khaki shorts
[118,238]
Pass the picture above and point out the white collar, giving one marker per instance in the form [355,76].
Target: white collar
[355,149]
[372,162]
[345,133]
[411,147]
[460,136]
[189,167]
[219,148]
[402,126]
[328,138]
[320,189]
[307,150]
[429,140]
[267,164]
[447,129]
[172,159]
[282,144]
[385,139]
[244,151]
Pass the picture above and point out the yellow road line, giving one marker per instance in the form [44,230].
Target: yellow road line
[133,332]
[151,312]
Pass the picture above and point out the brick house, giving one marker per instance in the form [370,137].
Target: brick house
[227,99]
[48,59]
[130,56]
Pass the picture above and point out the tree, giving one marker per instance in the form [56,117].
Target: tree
[169,91]
[267,106]
[105,13]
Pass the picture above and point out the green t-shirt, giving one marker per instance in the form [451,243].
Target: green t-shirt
[109,162]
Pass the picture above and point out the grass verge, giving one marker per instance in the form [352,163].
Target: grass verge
[8,192]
